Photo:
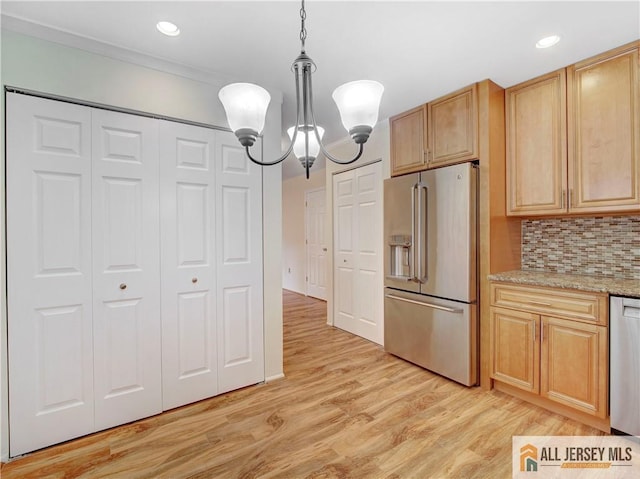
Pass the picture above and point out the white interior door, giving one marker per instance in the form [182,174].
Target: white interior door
[84,268]
[343,247]
[316,243]
[48,271]
[126,268]
[358,285]
[187,186]
[239,265]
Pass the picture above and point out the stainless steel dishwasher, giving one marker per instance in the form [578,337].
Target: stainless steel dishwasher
[625,364]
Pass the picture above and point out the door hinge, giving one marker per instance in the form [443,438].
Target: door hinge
[306,278]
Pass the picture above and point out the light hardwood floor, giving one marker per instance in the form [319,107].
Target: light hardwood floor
[346,409]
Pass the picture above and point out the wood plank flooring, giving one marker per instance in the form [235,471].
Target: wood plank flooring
[346,409]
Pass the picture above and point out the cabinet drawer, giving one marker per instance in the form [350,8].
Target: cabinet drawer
[591,307]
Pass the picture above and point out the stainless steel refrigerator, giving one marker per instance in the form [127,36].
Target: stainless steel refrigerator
[431,288]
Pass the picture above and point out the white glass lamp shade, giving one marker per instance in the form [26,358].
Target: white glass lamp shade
[358,103]
[298,146]
[246,106]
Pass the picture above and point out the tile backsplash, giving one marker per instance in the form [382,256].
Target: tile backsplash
[605,246]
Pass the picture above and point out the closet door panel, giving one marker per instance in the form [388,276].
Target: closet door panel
[48,272]
[189,344]
[126,303]
[357,200]
[344,199]
[239,270]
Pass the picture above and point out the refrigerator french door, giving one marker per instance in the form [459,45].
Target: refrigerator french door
[431,289]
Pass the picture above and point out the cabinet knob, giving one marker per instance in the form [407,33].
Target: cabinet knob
[194,280]
[123,286]
[324,249]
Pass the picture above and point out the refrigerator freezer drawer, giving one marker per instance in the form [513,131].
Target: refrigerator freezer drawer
[434,333]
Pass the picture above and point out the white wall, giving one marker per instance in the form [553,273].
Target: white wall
[44,66]
[377,147]
[294,254]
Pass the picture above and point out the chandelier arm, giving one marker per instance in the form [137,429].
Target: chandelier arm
[315,130]
[295,130]
[262,163]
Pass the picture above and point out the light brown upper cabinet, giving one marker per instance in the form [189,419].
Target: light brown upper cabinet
[604,132]
[408,143]
[536,146]
[453,128]
[442,132]
[573,138]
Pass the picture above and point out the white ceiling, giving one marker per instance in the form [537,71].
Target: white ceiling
[418,50]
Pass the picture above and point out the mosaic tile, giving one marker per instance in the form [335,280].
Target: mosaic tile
[606,246]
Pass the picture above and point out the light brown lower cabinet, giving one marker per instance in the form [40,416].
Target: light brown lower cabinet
[516,350]
[573,364]
[556,361]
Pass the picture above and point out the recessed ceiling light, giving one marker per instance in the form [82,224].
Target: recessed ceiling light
[168,28]
[547,42]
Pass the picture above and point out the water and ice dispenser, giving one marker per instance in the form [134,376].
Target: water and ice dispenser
[400,246]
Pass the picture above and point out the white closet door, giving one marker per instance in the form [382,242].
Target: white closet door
[358,285]
[344,243]
[126,268]
[187,194]
[239,265]
[368,293]
[48,272]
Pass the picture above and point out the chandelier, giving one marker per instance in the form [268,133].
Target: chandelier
[246,107]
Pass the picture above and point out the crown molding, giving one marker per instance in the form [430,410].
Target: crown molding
[115,52]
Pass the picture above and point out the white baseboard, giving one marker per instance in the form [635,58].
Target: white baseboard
[275,377]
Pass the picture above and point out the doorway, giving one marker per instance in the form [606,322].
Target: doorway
[315,242]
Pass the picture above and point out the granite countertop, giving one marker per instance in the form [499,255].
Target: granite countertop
[597,284]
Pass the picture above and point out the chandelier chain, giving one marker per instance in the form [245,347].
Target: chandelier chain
[303,30]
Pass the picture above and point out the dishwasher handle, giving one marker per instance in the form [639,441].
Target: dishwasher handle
[627,307]
[421,303]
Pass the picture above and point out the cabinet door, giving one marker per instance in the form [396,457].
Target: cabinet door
[187,201]
[574,365]
[126,268]
[604,132]
[408,141]
[453,128]
[515,348]
[238,265]
[48,272]
[536,146]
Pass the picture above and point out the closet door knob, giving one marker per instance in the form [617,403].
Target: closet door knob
[194,280]
[123,286]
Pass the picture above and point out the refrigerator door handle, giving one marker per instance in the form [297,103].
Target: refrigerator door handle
[422,226]
[414,268]
[420,303]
